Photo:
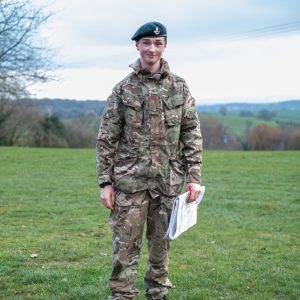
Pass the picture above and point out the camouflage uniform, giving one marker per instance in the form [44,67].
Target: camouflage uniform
[149,143]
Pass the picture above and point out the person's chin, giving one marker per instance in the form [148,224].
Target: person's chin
[152,60]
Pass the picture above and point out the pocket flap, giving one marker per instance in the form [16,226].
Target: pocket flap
[174,101]
[131,97]
[123,200]
[134,103]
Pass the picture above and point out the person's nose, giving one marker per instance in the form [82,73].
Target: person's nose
[152,48]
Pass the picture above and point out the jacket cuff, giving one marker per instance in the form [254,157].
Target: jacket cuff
[104,184]
[104,179]
[193,178]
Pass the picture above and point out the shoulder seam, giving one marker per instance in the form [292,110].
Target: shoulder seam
[125,79]
[176,77]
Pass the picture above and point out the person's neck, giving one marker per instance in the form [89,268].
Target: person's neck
[151,68]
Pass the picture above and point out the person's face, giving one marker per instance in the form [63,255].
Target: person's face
[151,49]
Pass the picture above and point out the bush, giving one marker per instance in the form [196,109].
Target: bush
[266,115]
[294,140]
[264,137]
[78,137]
[246,113]
[22,125]
[215,136]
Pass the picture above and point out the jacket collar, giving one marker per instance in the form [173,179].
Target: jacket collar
[164,70]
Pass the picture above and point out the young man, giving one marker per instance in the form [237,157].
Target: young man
[149,144]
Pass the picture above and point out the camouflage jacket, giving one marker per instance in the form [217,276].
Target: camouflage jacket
[149,136]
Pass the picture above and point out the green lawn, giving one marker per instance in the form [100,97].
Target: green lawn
[245,245]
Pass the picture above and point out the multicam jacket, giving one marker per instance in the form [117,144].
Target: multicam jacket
[149,136]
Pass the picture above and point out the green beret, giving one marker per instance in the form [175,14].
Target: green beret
[150,29]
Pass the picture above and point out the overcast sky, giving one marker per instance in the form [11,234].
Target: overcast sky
[226,50]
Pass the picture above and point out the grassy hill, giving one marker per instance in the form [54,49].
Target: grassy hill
[68,108]
[238,125]
[55,242]
[234,124]
[236,108]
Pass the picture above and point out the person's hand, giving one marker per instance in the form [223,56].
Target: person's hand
[107,196]
[194,189]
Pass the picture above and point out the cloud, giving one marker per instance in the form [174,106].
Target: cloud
[252,67]
[99,22]
[81,84]
[97,56]
[234,69]
[234,48]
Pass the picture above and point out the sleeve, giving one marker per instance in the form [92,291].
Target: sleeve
[108,138]
[191,138]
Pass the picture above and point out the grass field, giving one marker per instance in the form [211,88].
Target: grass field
[55,240]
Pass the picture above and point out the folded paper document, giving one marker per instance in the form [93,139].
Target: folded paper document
[184,214]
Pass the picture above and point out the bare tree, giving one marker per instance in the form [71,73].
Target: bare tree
[294,140]
[264,137]
[215,135]
[23,58]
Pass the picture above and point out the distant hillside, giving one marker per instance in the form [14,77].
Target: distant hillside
[239,118]
[65,108]
[253,107]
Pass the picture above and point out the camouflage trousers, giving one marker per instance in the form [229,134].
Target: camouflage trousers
[127,221]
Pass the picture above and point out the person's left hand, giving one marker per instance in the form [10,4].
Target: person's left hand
[194,189]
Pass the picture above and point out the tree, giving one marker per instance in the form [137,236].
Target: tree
[294,140]
[266,115]
[22,126]
[23,58]
[223,110]
[264,137]
[215,136]
[246,113]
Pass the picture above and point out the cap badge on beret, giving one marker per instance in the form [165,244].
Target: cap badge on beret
[157,31]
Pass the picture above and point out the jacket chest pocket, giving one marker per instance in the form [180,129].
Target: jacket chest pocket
[173,108]
[133,110]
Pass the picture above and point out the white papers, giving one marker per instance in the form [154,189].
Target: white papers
[184,215]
